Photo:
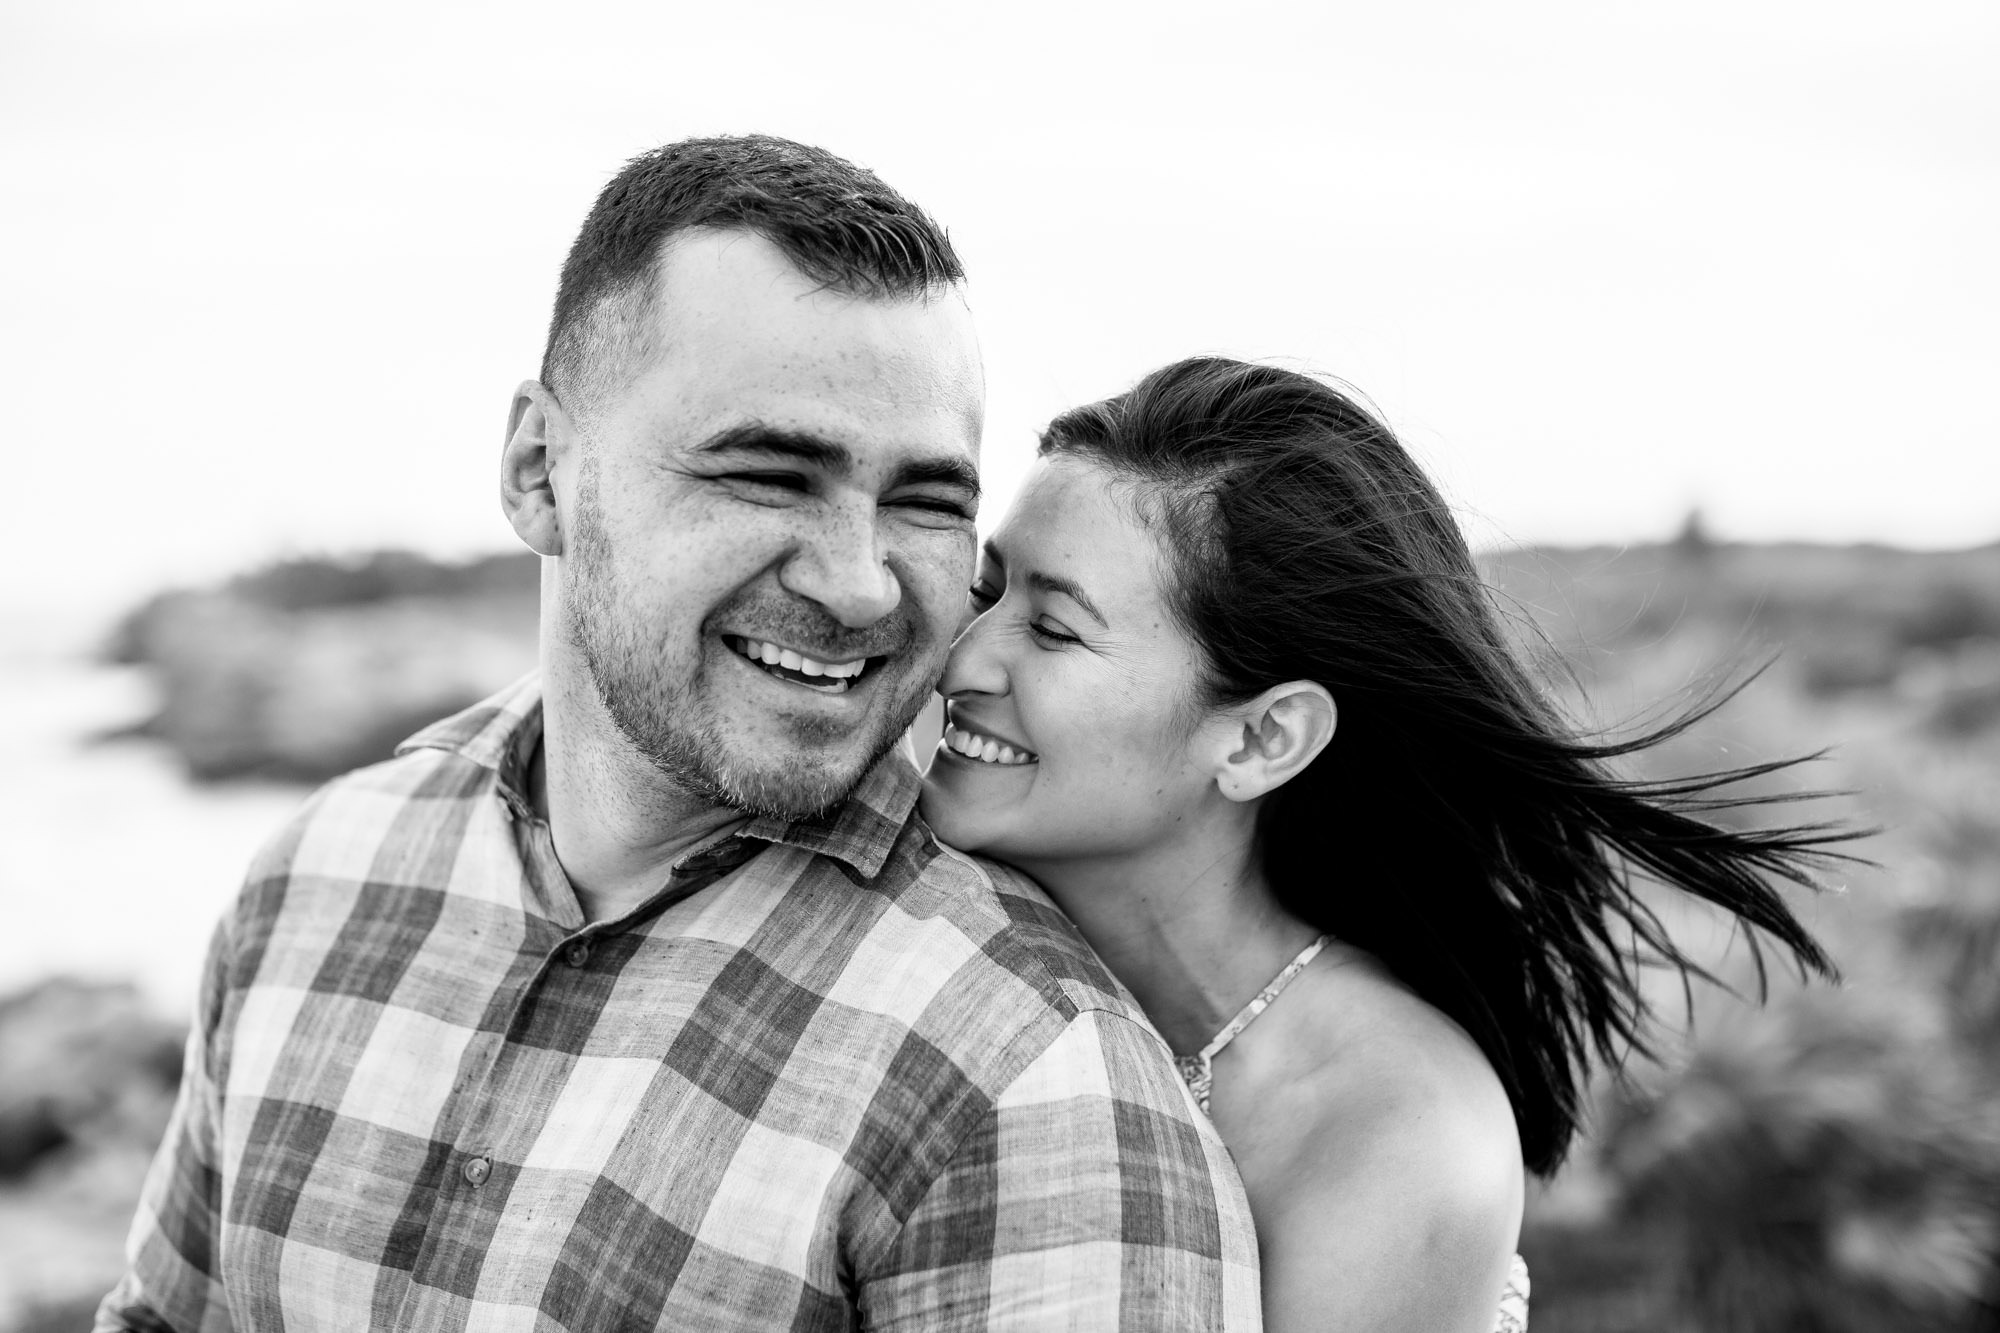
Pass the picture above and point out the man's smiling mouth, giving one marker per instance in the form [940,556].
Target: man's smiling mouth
[796,668]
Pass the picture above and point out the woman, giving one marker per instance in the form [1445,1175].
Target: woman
[1235,696]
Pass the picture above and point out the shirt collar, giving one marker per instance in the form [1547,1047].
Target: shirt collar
[863,829]
[491,732]
[500,733]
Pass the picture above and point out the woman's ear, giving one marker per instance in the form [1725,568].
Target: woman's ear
[1273,737]
[539,437]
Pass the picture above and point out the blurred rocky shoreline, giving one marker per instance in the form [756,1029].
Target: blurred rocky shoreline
[311,667]
[87,1079]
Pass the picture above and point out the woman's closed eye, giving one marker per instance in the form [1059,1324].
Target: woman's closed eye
[1045,631]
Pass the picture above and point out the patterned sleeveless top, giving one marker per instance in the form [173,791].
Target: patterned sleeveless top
[1197,1072]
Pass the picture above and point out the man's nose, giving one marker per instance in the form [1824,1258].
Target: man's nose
[841,565]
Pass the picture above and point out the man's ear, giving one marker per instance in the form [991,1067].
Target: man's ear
[1272,738]
[540,437]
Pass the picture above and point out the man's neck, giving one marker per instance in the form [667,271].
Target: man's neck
[618,824]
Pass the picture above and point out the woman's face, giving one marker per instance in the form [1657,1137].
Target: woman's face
[1070,720]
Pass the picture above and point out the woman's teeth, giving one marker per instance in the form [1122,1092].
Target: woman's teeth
[984,748]
[833,676]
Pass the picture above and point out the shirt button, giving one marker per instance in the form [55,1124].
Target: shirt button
[577,954]
[476,1171]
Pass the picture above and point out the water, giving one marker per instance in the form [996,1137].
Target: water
[112,865]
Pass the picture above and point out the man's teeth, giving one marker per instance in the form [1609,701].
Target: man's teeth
[772,655]
[984,748]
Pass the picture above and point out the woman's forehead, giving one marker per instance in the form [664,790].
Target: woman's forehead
[1077,520]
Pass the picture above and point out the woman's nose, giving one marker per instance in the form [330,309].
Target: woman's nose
[975,665]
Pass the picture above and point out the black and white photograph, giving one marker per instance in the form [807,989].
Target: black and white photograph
[1315,668]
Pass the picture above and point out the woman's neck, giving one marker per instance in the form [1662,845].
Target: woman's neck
[1194,934]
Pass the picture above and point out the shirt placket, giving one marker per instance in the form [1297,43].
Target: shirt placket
[496,1123]
[451,1214]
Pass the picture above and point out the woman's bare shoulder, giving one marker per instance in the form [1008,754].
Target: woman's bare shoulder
[1375,1141]
[1349,1051]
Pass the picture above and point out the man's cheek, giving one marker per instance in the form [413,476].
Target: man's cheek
[938,586]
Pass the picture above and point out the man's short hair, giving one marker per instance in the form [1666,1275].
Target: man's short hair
[838,223]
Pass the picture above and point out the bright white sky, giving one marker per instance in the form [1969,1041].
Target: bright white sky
[269,273]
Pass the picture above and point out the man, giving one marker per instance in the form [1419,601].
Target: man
[638,996]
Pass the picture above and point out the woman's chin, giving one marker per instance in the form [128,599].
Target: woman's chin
[938,814]
[968,805]
[949,818]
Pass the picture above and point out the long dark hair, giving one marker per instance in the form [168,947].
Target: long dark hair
[1486,850]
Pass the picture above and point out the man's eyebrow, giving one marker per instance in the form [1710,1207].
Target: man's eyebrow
[801,446]
[940,471]
[1056,583]
[804,447]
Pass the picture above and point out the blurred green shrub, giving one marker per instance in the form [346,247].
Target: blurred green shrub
[1830,1161]
[1823,1164]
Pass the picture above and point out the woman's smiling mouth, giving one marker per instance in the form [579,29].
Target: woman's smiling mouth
[984,749]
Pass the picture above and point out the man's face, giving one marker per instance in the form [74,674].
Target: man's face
[769,529]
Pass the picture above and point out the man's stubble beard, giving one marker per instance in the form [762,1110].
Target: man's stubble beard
[662,719]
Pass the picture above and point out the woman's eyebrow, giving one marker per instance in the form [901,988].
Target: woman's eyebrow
[1070,589]
[1056,583]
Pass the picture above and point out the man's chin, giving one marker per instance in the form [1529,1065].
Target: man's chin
[794,783]
[790,791]
[789,768]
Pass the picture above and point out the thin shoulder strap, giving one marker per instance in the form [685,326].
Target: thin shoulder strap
[1235,1026]
[1195,1069]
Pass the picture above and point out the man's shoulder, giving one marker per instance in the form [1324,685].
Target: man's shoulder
[1015,1027]
[369,821]
[379,797]
[1020,931]
[440,774]
[996,980]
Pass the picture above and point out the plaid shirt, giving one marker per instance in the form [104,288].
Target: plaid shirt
[830,1076]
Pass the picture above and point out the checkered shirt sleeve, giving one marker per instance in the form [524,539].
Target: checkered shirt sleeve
[832,1076]
[173,1238]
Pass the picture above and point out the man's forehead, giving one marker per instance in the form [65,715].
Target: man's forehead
[736,281]
[743,339]
[852,397]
